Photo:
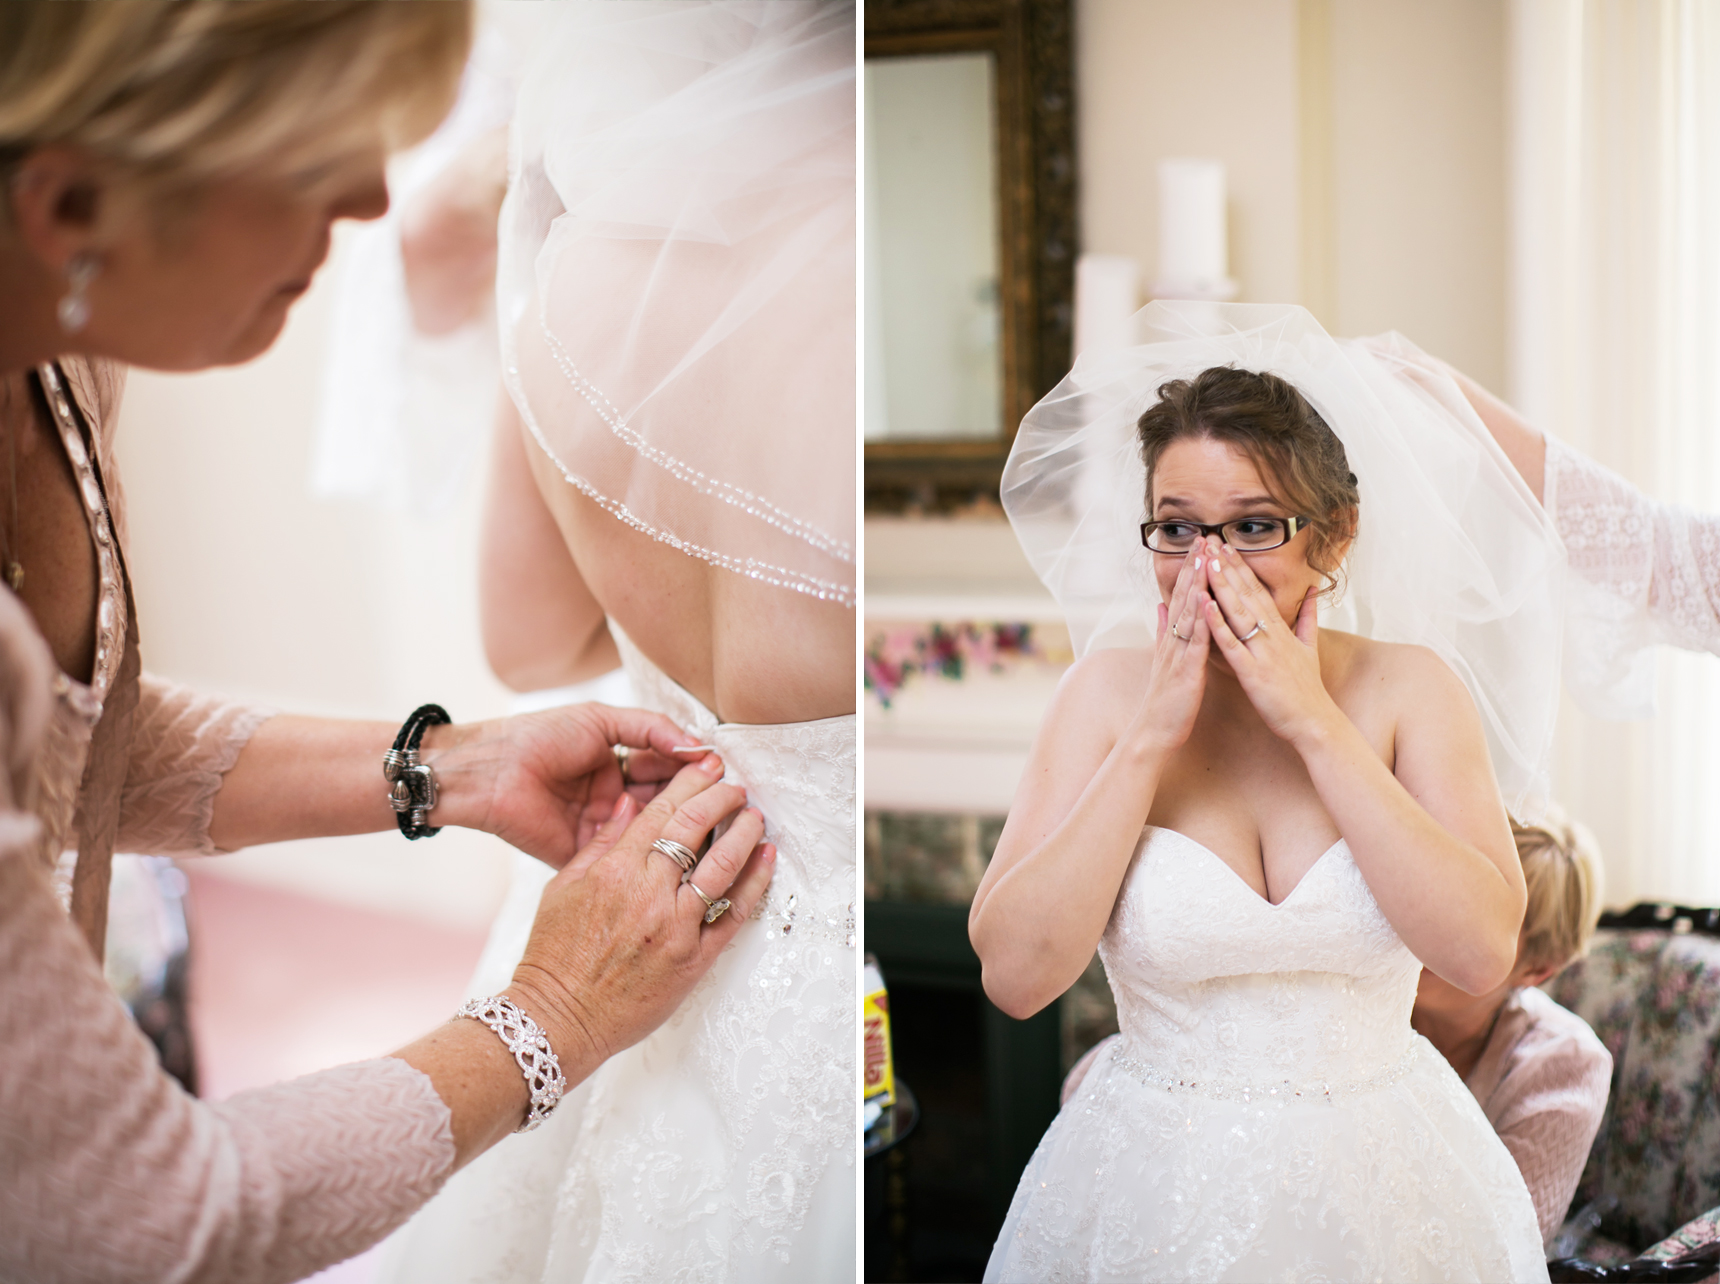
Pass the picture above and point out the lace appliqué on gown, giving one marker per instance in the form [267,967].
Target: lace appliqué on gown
[1268,1114]
[722,1148]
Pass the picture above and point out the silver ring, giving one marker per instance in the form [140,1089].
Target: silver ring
[1179,637]
[1258,625]
[683,856]
[713,909]
[622,753]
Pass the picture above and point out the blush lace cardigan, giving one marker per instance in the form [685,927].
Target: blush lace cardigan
[109,1171]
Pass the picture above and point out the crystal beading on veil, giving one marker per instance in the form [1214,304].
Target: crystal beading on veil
[1452,551]
[676,281]
[676,297]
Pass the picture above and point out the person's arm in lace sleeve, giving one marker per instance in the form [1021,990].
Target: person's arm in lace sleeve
[183,744]
[1660,563]
[110,1172]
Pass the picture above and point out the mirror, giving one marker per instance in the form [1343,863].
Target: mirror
[933,357]
[970,239]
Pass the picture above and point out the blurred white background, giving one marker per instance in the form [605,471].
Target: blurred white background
[248,586]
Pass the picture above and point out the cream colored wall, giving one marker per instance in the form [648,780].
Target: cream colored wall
[1364,142]
[1419,216]
[1207,78]
[247,586]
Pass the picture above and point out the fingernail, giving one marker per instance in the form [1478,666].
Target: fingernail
[619,811]
[712,764]
[768,854]
[1197,563]
[692,749]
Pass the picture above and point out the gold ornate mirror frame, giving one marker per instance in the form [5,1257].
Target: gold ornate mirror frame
[1031,42]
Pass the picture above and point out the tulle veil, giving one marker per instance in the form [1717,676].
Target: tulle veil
[1452,551]
[676,285]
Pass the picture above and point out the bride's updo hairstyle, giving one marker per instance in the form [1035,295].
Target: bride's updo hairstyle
[179,93]
[1300,459]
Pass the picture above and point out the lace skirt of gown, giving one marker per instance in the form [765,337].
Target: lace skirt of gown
[1137,1182]
[722,1147]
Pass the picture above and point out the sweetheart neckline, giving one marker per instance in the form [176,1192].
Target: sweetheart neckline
[1225,865]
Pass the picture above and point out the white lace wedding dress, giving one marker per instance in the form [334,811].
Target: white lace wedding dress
[1268,1113]
[722,1148]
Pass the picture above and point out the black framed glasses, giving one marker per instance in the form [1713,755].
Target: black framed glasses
[1245,534]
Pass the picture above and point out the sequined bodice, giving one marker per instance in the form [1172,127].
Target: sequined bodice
[1217,986]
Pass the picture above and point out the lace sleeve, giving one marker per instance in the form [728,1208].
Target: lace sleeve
[182,744]
[1642,573]
[110,1173]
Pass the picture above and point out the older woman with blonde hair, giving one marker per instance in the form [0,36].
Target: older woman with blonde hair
[171,173]
[1538,1070]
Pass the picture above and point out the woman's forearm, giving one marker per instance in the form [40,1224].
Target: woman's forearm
[1036,927]
[478,1080]
[319,777]
[1524,445]
[1455,909]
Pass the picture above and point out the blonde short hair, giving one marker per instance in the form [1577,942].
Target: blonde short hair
[1562,867]
[189,90]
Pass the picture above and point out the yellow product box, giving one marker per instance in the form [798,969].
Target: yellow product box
[880,1089]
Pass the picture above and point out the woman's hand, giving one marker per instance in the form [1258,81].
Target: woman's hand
[1278,667]
[620,937]
[618,942]
[544,782]
[1178,681]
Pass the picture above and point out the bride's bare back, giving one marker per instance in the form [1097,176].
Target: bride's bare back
[556,564]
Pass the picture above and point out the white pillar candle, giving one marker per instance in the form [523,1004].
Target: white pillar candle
[1107,296]
[1194,261]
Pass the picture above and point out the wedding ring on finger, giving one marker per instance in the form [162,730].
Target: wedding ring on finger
[713,909]
[1179,637]
[682,855]
[622,753]
[1258,625]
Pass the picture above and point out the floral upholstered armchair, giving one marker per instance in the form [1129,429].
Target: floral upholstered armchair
[1650,987]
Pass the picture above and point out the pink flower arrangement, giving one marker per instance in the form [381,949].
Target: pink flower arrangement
[947,651]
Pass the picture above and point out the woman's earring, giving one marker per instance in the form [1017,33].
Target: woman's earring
[74,309]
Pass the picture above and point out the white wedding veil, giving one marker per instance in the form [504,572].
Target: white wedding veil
[1452,551]
[676,285]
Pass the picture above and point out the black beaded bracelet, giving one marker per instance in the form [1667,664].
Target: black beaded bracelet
[412,790]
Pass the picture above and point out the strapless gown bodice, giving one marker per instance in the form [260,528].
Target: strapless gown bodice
[1226,990]
[801,775]
[1268,1113]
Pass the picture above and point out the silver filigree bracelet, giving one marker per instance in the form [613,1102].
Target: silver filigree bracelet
[530,1046]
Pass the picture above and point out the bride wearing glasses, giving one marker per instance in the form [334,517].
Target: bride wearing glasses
[1267,827]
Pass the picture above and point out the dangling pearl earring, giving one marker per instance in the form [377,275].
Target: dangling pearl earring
[74,309]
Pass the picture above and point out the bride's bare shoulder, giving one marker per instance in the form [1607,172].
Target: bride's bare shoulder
[1408,676]
[1102,682]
